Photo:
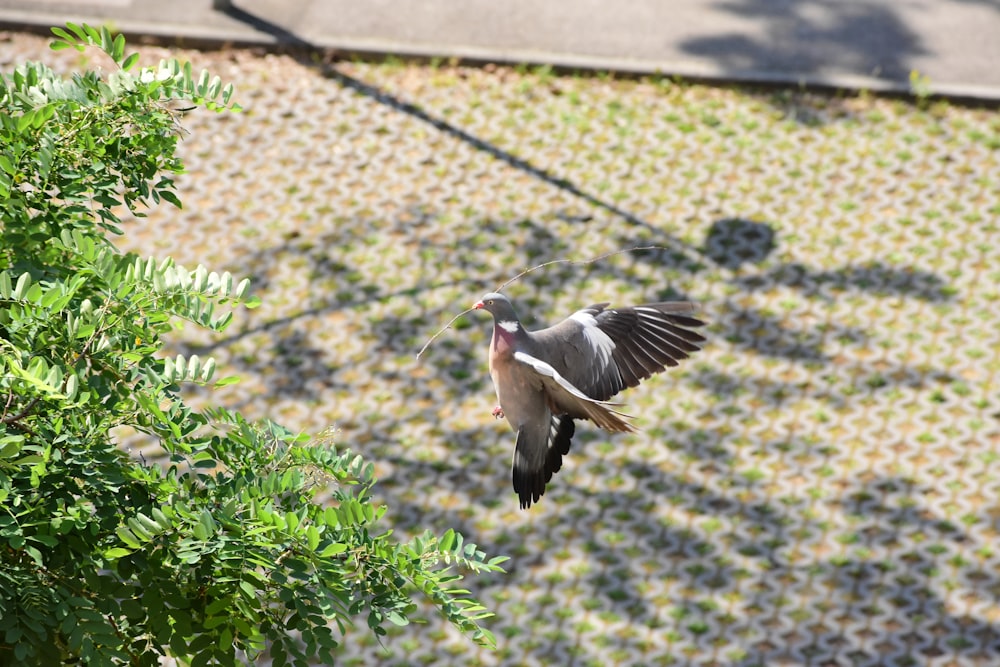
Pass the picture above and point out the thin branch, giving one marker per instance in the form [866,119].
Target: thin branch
[10,399]
[536,268]
[13,419]
[579,261]
[441,331]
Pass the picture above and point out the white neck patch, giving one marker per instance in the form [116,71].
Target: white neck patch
[509,327]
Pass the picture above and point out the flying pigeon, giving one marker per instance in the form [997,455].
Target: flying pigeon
[545,379]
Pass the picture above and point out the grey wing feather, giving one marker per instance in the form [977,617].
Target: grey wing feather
[564,398]
[647,339]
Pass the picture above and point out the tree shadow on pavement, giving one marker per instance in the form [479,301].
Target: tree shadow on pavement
[734,562]
[812,38]
[869,600]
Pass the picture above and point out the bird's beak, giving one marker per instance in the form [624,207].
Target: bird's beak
[477,305]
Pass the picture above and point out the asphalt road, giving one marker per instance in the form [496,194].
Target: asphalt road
[856,44]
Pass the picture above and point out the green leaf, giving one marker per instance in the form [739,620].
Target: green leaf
[62,34]
[162,518]
[214,88]
[248,589]
[203,82]
[126,536]
[34,293]
[81,32]
[213,622]
[47,540]
[25,121]
[23,283]
[216,607]
[107,41]
[10,446]
[72,385]
[118,48]
[209,370]
[333,550]
[130,61]
[207,521]
[148,524]
[447,541]
[312,535]
[397,618]
[170,197]
[35,555]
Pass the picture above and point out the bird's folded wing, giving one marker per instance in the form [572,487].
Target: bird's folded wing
[564,398]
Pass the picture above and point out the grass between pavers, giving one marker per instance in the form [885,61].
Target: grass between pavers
[817,487]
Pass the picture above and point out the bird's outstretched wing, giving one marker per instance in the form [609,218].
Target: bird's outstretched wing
[602,351]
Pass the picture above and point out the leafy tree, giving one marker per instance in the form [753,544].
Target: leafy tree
[223,551]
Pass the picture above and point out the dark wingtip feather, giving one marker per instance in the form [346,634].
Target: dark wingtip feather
[562,437]
[684,321]
[529,485]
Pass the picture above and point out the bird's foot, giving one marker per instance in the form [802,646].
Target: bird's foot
[498,412]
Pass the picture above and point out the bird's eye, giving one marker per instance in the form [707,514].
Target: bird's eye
[490,302]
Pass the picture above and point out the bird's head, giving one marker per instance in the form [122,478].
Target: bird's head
[497,305]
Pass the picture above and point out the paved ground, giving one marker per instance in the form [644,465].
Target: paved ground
[872,44]
[819,488]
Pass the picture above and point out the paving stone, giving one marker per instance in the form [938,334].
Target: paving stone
[818,487]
